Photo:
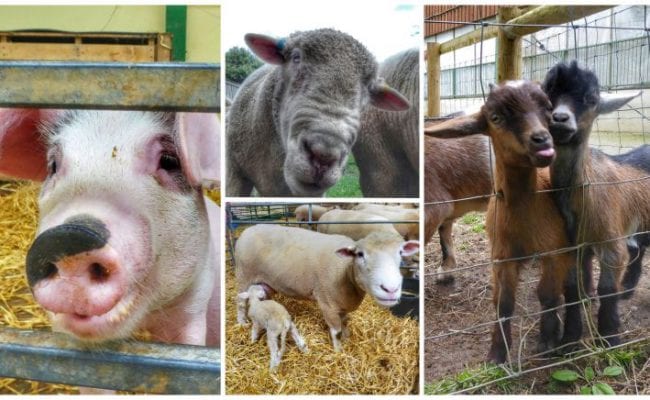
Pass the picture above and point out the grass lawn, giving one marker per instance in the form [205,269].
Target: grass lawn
[348,185]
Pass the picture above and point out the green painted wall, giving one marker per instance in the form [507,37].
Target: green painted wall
[203,30]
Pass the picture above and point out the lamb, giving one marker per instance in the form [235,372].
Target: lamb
[333,270]
[410,231]
[520,222]
[601,214]
[271,316]
[293,123]
[454,169]
[354,231]
[387,150]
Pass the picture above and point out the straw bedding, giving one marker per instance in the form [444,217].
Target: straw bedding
[18,221]
[380,357]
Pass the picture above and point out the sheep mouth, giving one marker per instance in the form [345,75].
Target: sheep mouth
[387,302]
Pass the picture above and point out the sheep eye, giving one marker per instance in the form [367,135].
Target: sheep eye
[295,58]
[495,118]
[53,167]
[169,162]
[360,254]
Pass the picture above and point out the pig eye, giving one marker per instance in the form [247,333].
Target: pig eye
[169,162]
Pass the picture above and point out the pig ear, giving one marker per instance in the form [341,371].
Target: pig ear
[23,153]
[386,98]
[198,142]
[458,127]
[409,248]
[345,252]
[265,47]
[612,102]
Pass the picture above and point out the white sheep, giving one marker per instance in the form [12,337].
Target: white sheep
[354,231]
[271,316]
[396,213]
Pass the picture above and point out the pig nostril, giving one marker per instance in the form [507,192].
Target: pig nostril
[49,270]
[98,272]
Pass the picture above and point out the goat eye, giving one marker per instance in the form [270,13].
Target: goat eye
[495,118]
[591,99]
[169,162]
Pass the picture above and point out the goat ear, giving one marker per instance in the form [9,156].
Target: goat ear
[409,248]
[23,153]
[198,143]
[612,102]
[345,252]
[386,98]
[458,127]
[265,47]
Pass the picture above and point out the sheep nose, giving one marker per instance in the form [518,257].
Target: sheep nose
[389,290]
[322,155]
[560,117]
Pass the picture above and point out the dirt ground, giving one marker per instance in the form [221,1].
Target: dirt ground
[457,317]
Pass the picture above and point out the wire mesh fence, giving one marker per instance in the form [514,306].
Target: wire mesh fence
[615,44]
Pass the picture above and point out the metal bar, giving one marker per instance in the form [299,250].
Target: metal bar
[140,86]
[119,365]
[250,222]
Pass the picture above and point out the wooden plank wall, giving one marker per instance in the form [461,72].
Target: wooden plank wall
[62,46]
[454,13]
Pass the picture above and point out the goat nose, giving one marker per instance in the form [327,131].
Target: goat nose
[560,117]
[389,290]
[540,138]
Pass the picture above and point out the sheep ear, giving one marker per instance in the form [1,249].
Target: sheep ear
[458,127]
[243,295]
[265,47]
[409,248]
[612,102]
[345,252]
[386,98]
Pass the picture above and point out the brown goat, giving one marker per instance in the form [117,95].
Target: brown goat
[455,169]
[604,214]
[520,222]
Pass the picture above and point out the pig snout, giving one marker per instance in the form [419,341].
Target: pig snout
[72,270]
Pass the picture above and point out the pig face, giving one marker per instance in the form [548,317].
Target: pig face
[123,230]
[376,259]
